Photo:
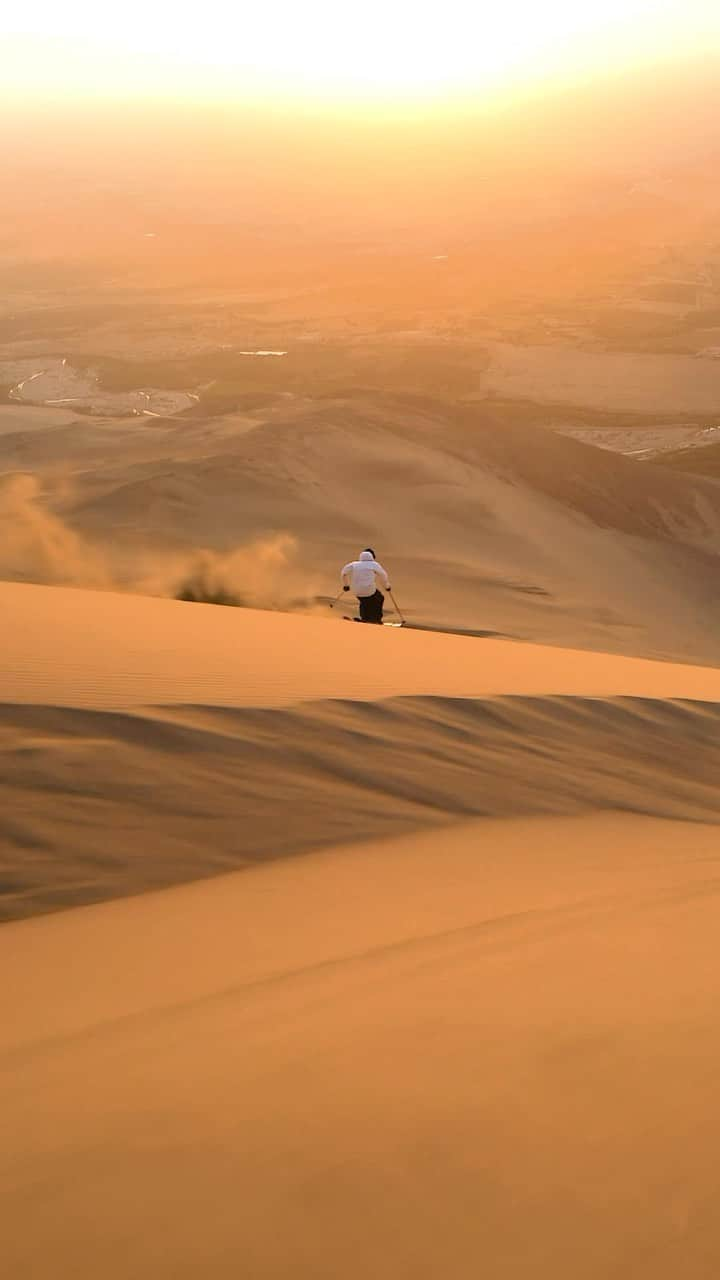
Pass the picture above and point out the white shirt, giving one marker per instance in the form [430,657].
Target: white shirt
[362,575]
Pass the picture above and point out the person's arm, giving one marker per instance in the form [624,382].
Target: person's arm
[345,576]
[382,575]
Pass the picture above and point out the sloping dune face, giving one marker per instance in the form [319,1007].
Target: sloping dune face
[148,742]
[375,465]
[491,1050]
[113,651]
[486,519]
[102,804]
[485,1043]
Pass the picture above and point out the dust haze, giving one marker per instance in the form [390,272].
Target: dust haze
[37,545]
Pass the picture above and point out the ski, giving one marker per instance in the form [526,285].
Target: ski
[373,624]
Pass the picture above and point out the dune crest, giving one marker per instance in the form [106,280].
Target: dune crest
[148,742]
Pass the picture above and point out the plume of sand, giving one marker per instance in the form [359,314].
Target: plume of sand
[38,545]
[264,574]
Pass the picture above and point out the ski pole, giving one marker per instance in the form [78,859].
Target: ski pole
[334,602]
[397,607]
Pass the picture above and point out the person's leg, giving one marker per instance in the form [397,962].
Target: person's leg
[377,601]
[371,607]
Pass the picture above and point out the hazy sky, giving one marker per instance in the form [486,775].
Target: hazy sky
[327,49]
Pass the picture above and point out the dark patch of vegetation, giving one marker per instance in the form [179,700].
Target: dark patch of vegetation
[204,583]
[208,595]
[227,381]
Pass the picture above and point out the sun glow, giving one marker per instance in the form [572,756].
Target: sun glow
[324,49]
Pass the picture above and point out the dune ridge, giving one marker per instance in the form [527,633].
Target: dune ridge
[99,804]
[149,742]
[115,651]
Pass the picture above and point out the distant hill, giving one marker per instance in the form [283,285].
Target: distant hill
[484,523]
[338,467]
[487,521]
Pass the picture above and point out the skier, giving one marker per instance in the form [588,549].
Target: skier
[362,575]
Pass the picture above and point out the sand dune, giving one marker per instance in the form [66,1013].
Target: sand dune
[491,1050]
[102,804]
[485,1044]
[362,459]
[111,650]
[485,521]
[147,742]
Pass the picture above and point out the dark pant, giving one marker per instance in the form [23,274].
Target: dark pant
[371,607]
